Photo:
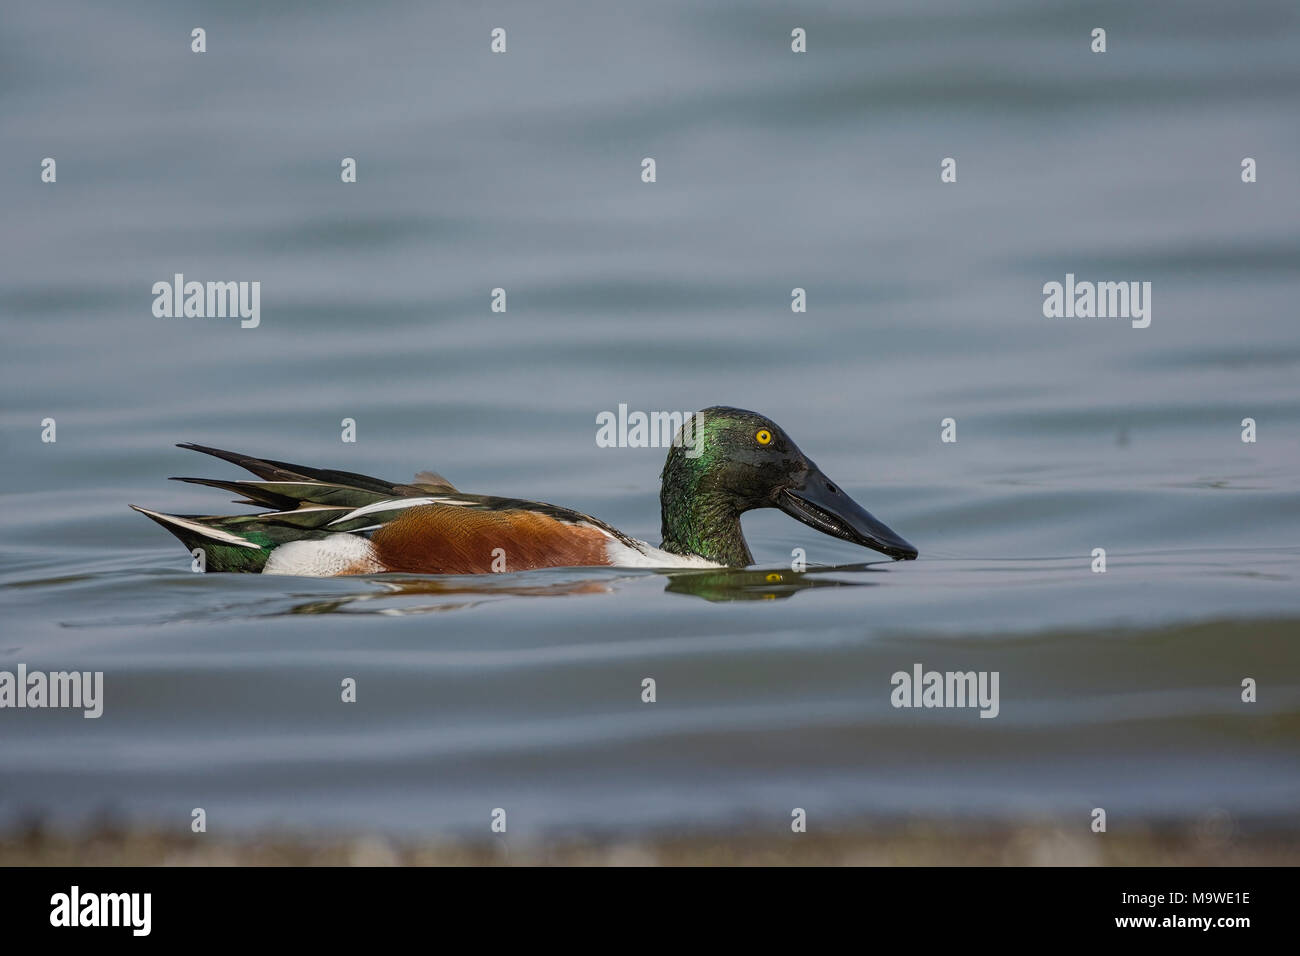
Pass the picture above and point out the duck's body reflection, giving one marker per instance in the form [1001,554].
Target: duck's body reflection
[455,592]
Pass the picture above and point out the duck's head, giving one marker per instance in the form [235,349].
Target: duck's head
[727,461]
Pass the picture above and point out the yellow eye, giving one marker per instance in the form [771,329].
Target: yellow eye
[764,436]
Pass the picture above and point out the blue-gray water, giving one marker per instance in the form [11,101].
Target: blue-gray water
[775,170]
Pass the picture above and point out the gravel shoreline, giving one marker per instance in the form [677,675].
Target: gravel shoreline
[912,844]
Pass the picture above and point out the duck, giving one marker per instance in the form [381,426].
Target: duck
[322,522]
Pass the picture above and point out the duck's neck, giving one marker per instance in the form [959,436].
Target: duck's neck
[699,520]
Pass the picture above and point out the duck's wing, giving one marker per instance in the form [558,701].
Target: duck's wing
[373,525]
[302,502]
[283,471]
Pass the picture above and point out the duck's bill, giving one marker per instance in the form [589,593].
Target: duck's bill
[819,503]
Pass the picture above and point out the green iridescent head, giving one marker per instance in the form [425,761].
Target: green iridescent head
[727,461]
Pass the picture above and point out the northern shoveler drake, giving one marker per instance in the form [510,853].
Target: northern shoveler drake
[325,523]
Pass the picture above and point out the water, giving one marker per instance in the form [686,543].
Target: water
[775,170]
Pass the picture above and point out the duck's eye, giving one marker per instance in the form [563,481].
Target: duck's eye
[764,437]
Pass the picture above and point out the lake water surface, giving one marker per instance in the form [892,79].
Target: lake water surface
[775,170]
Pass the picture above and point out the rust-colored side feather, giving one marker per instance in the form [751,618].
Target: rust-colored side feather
[447,539]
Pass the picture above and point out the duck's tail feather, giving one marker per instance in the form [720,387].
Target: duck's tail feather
[244,542]
[222,550]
